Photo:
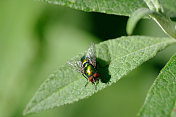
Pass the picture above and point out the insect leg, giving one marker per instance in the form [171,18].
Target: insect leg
[87,80]
[85,76]
[86,83]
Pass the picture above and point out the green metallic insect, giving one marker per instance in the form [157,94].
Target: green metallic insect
[87,65]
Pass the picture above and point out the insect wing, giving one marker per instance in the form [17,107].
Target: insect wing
[75,65]
[91,54]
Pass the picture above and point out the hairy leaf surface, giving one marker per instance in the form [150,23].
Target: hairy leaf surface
[161,98]
[117,7]
[115,58]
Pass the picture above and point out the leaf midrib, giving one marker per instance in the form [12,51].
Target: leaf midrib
[142,49]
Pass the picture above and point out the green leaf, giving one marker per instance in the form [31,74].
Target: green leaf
[118,7]
[169,7]
[168,26]
[115,58]
[154,5]
[135,17]
[161,97]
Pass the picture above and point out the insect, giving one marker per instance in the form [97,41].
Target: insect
[87,65]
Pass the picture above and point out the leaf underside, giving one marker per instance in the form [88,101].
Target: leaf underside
[161,98]
[117,7]
[115,58]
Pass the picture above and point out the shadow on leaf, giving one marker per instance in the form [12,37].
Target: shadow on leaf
[103,70]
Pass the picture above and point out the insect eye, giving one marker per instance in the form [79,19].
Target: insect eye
[91,79]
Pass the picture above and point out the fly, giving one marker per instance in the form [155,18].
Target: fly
[87,65]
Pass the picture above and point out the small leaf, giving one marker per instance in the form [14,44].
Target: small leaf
[115,58]
[169,7]
[168,26]
[135,17]
[154,5]
[161,98]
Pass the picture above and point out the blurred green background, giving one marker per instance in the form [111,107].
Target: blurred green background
[36,37]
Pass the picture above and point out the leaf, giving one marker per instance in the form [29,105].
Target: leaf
[154,5]
[169,7]
[135,17]
[161,98]
[115,58]
[168,26]
[118,7]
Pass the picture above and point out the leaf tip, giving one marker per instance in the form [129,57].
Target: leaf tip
[25,111]
[129,30]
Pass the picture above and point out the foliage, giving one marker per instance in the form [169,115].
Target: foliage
[120,56]
[160,100]
[32,44]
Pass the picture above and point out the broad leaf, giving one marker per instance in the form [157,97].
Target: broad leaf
[161,97]
[115,58]
[117,7]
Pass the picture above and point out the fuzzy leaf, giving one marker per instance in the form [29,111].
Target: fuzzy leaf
[154,5]
[161,98]
[166,24]
[135,17]
[115,58]
[118,7]
[169,7]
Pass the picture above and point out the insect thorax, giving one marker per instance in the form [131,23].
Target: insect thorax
[85,62]
[89,70]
